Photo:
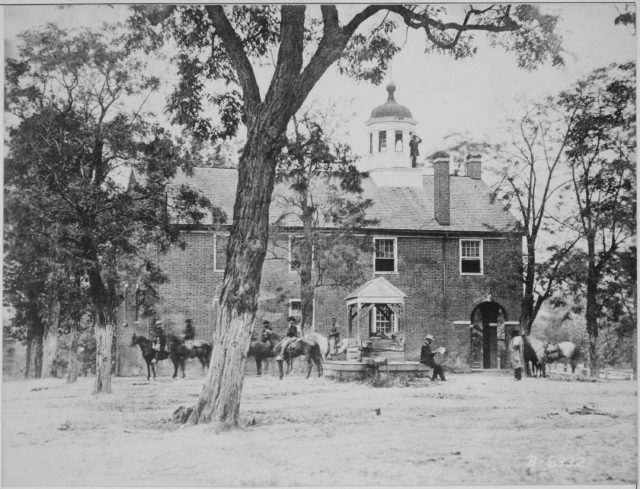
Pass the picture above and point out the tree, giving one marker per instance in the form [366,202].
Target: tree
[223,47]
[531,182]
[325,197]
[70,93]
[601,155]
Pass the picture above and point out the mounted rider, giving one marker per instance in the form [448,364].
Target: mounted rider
[292,335]
[159,341]
[189,333]
[267,333]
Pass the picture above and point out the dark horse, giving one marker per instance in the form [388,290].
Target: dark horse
[148,353]
[179,352]
[305,346]
[261,351]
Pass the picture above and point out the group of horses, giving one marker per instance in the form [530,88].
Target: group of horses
[177,351]
[314,347]
[538,353]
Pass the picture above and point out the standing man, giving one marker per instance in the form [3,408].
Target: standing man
[159,341]
[334,337]
[427,356]
[517,352]
[413,149]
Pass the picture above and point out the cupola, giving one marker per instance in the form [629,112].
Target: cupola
[389,130]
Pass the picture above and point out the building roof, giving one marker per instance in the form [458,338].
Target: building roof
[395,208]
[377,291]
[391,108]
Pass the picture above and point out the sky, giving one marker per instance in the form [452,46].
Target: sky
[474,96]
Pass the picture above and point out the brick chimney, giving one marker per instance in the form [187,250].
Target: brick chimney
[474,166]
[441,189]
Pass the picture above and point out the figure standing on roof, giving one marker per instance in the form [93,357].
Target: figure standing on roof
[413,149]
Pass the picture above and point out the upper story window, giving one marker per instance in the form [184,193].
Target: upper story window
[471,257]
[295,308]
[384,255]
[382,141]
[220,252]
[294,253]
[399,141]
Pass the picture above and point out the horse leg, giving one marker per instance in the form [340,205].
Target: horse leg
[153,369]
[148,370]
[182,367]
[175,367]
[258,366]
[280,369]
[309,365]
[318,362]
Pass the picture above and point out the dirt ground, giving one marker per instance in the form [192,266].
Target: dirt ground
[473,429]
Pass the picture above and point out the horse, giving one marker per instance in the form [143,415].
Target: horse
[534,353]
[179,352]
[305,346]
[148,353]
[262,351]
[565,349]
[326,345]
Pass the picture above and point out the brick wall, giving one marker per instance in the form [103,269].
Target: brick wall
[438,300]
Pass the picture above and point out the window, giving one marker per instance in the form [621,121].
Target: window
[471,256]
[295,308]
[385,255]
[398,141]
[384,321]
[371,142]
[382,141]
[220,252]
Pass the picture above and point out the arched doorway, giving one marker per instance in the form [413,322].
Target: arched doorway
[487,326]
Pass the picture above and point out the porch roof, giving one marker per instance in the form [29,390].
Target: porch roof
[376,291]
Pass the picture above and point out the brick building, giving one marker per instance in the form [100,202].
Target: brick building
[439,239]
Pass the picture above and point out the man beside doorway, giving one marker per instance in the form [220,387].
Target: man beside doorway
[517,352]
[427,357]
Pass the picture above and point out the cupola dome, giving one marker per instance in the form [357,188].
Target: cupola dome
[391,108]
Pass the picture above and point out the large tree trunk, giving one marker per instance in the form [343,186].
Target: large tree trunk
[72,366]
[307,289]
[51,341]
[591,312]
[104,338]
[27,364]
[37,358]
[526,312]
[219,401]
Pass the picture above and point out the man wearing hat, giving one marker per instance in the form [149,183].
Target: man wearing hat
[427,356]
[517,351]
[292,335]
[159,341]
[267,333]
[189,333]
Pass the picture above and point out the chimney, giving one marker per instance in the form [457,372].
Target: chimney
[441,191]
[474,166]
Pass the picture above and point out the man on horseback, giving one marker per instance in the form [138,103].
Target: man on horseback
[267,333]
[159,341]
[189,334]
[292,335]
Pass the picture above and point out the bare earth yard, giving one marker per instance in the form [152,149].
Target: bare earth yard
[473,429]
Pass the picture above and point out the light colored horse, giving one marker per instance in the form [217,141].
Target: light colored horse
[565,349]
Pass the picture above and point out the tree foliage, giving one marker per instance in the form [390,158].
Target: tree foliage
[66,214]
[601,152]
[326,200]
